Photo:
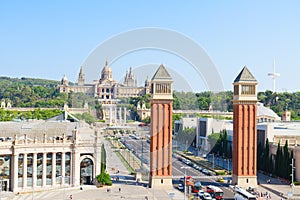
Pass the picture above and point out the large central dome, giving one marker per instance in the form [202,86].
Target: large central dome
[106,74]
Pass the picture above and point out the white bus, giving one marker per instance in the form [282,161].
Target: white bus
[241,194]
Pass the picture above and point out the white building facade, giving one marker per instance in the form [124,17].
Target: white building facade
[39,160]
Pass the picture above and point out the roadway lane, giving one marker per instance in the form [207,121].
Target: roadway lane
[199,176]
[141,148]
[137,146]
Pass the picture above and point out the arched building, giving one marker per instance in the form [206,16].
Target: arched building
[41,155]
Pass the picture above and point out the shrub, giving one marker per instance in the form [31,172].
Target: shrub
[104,179]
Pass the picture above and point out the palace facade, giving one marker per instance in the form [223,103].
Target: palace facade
[106,87]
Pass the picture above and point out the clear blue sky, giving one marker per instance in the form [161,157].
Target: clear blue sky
[46,39]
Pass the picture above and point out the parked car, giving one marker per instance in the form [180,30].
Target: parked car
[201,193]
[180,187]
[207,196]
[221,180]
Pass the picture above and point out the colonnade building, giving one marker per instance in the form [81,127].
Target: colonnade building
[42,155]
[106,88]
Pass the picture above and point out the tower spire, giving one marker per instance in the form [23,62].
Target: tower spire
[274,75]
[81,77]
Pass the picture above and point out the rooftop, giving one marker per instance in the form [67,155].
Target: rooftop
[161,74]
[245,75]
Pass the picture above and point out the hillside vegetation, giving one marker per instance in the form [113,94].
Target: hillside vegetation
[42,93]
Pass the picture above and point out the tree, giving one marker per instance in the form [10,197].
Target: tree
[286,161]
[278,160]
[103,178]
[103,159]
[266,164]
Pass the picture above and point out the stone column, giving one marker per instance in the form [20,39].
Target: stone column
[124,115]
[34,169]
[44,171]
[110,115]
[120,115]
[63,167]
[97,163]
[14,185]
[25,170]
[75,160]
[116,115]
[53,168]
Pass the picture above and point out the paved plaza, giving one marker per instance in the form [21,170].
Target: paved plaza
[130,190]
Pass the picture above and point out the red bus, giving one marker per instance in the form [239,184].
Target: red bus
[215,192]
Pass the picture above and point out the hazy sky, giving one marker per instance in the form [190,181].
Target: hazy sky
[46,39]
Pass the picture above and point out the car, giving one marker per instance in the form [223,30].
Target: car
[142,124]
[221,180]
[201,193]
[180,187]
[206,196]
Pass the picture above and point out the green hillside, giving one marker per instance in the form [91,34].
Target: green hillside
[30,92]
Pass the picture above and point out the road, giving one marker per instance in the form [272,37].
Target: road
[141,148]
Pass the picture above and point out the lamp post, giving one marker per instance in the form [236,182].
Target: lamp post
[228,165]
[142,154]
[213,161]
[292,175]
[184,184]
[1,187]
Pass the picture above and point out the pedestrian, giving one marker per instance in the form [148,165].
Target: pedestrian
[119,189]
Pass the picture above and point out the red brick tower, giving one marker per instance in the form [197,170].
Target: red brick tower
[244,130]
[161,129]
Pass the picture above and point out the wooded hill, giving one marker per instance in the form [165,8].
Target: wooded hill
[42,93]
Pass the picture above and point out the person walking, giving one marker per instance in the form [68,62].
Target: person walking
[119,189]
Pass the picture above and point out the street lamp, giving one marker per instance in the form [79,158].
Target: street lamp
[292,175]
[1,182]
[184,184]
[213,161]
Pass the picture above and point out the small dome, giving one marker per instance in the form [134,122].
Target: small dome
[264,111]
